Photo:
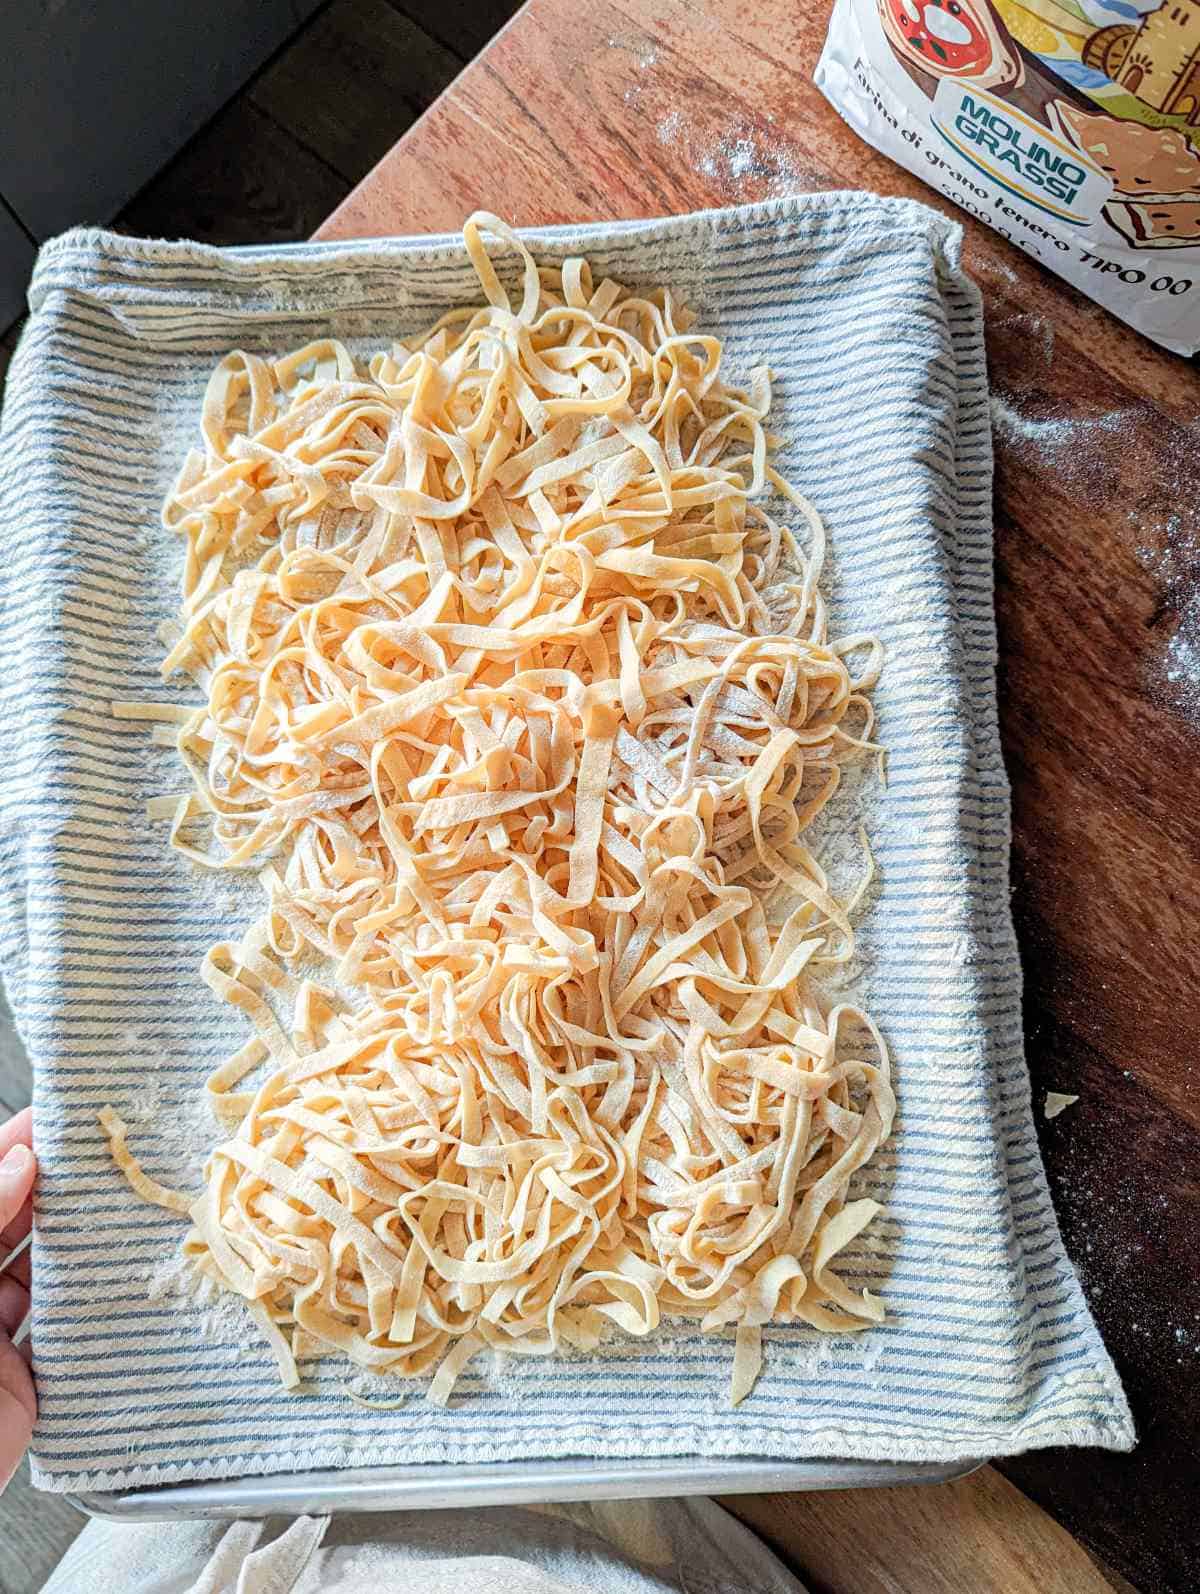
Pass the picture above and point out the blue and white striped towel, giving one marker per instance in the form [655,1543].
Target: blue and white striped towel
[861,308]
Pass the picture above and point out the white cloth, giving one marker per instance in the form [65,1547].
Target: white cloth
[861,308]
[618,1547]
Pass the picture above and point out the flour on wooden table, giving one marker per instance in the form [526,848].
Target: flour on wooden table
[1081,453]
[1078,450]
[1036,334]
[1175,565]
[741,158]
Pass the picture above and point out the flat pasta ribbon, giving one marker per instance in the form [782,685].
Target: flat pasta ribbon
[520,707]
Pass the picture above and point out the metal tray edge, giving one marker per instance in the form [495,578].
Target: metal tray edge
[429,1488]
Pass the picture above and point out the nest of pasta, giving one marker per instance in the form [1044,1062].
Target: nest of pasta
[521,706]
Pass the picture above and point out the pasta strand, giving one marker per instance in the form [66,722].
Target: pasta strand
[520,705]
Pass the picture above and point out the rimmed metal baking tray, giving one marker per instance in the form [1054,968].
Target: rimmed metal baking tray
[433,1488]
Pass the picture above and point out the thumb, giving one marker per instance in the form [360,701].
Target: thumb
[16,1181]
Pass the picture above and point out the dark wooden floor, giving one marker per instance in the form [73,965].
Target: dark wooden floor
[268,168]
[273,164]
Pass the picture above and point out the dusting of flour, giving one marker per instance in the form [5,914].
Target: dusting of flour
[1174,562]
[744,159]
[1086,457]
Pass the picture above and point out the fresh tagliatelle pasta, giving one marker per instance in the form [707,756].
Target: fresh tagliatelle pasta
[520,705]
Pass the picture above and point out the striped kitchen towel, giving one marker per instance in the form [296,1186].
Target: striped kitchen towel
[861,308]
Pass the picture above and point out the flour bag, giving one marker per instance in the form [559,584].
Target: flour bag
[1070,126]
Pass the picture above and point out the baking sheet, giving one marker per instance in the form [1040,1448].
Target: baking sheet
[440,1488]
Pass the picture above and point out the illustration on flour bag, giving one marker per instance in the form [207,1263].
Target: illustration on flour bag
[1070,126]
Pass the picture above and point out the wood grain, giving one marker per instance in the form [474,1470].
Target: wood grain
[94,98]
[979,1534]
[35,1530]
[244,179]
[359,75]
[627,109]
[463,26]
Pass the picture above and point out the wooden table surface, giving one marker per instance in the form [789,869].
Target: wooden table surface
[620,109]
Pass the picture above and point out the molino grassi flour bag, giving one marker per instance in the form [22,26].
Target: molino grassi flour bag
[1070,126]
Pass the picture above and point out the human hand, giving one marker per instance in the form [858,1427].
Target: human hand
[18,1403]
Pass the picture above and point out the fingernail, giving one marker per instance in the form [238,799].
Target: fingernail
[16,1162]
